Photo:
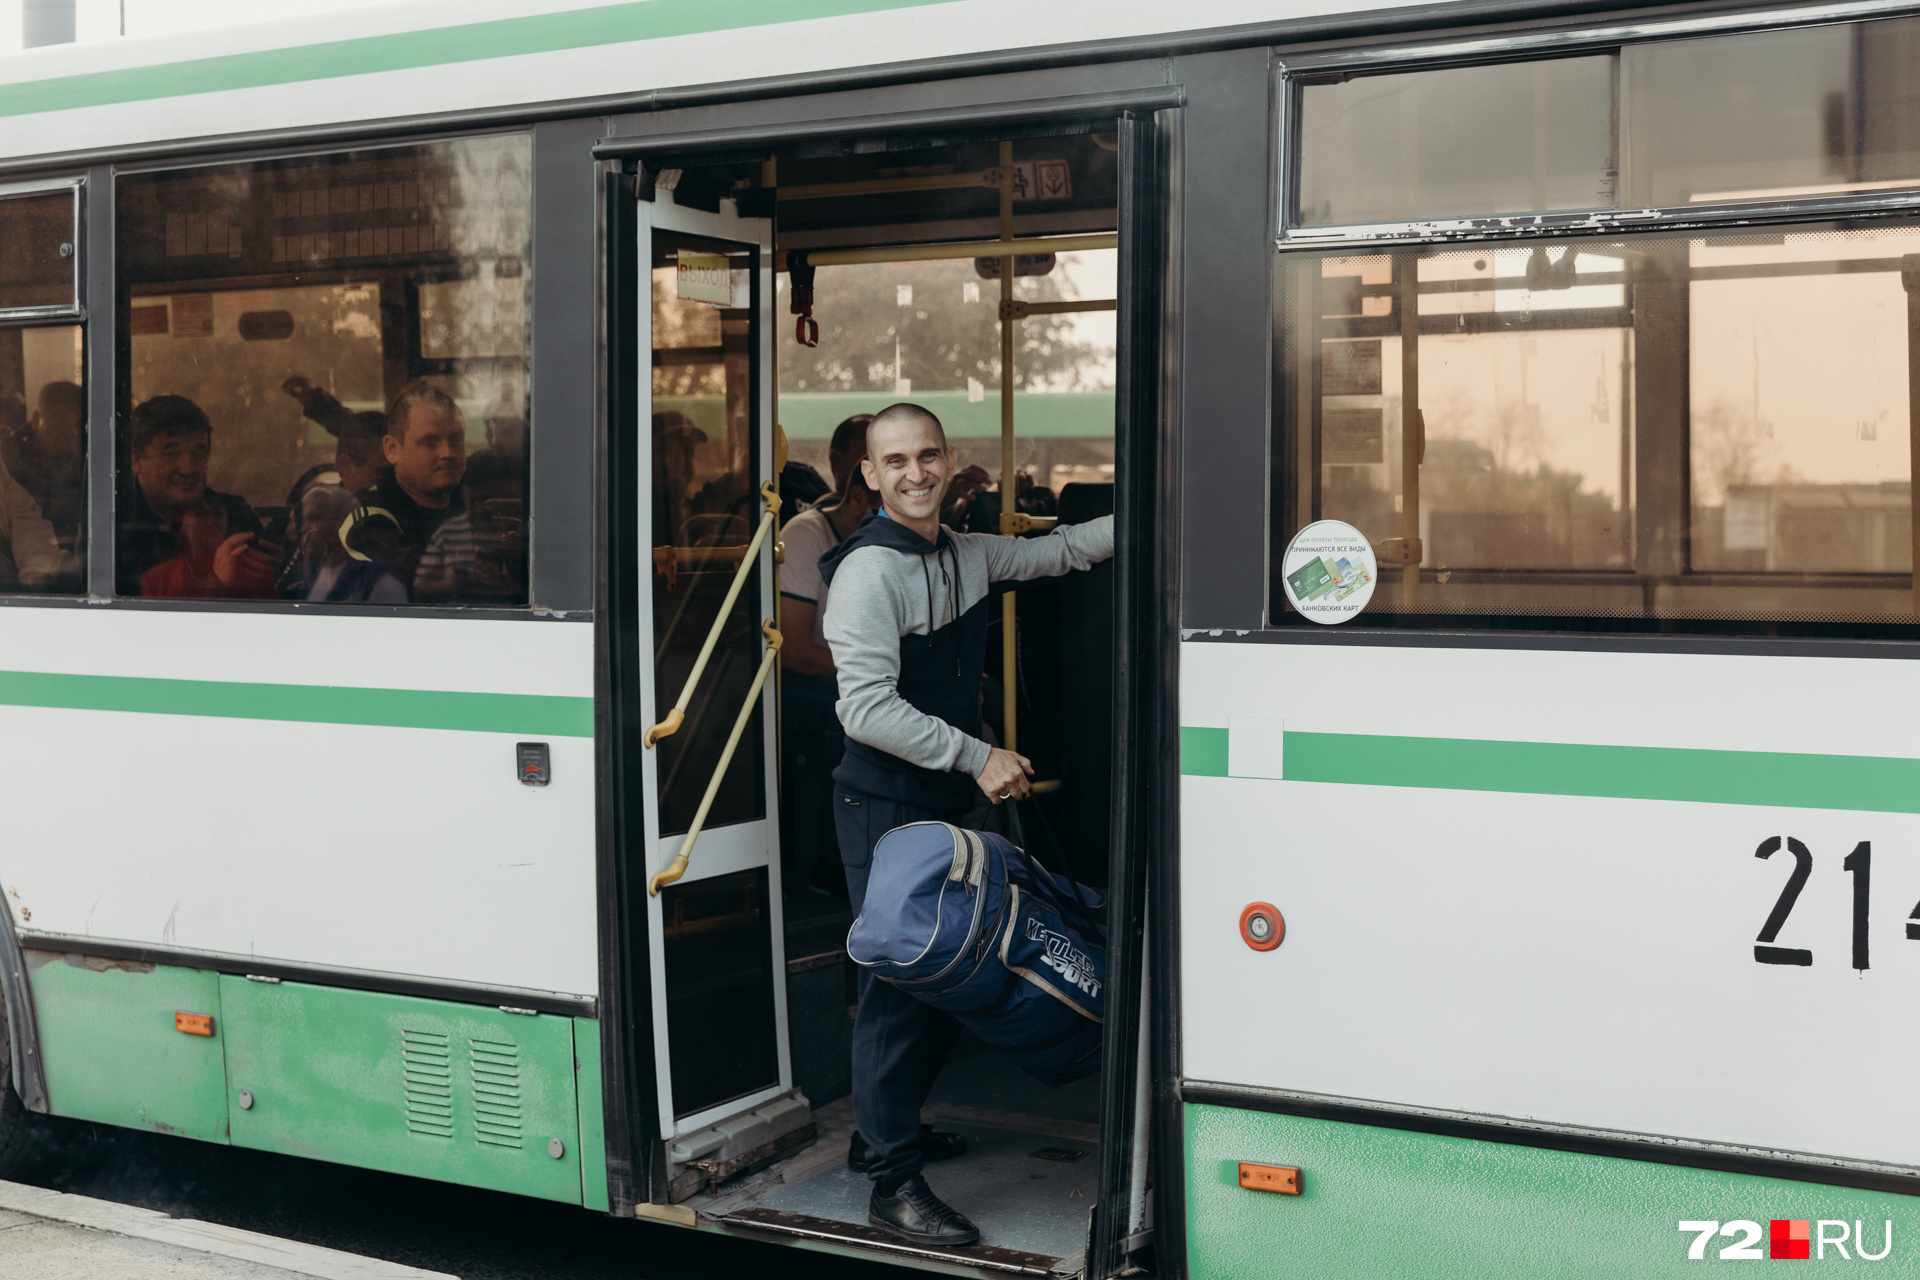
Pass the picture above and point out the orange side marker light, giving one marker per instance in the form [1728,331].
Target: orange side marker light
[1270,1177]
[193,1024]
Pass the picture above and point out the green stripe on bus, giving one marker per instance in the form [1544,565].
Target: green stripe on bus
[1779,779]
[1203,752]
[439,46]
[534,715]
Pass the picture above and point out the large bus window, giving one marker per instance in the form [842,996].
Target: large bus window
[327,395]
[1682,426]
[43,483]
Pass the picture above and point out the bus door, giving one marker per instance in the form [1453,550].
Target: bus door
[714,929]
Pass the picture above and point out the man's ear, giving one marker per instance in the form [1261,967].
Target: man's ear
[953,456]
[391,448]
[873,476]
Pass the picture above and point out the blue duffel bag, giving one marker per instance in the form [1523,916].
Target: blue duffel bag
[970,923]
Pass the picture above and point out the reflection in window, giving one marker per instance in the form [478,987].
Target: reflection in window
[1663,427]
[1757,116]
[328,385]
[43,496]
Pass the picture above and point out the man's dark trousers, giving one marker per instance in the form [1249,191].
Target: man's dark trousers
[899,1043]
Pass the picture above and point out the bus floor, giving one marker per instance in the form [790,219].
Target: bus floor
[1026,1180]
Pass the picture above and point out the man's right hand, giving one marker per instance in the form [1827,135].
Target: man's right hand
[1005,775]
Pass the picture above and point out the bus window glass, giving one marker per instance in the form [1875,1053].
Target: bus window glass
[1667,427]
[38,261]
[1768,115]
[1816,111]
[327,390]
[705,508]
[43,486]
[1508,138]
[928,332]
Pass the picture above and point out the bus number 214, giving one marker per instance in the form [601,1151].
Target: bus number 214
[1858,864]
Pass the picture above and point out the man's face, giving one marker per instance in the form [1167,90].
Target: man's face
[354,476]
[433,455]
[910,466]
[172,469]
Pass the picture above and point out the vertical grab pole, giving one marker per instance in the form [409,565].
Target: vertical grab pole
[1910,281]
[1413,432]
[1009,654]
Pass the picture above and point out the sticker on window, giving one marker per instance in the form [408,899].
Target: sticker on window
[705,277]
[1329,571]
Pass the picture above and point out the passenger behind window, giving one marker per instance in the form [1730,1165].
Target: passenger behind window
[426,451]
[326,569]
[49,459]
[358,456]
[32,559]
[208,542]
[479,556]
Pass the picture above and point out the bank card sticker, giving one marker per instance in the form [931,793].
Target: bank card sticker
[1255,747]
[1329,571]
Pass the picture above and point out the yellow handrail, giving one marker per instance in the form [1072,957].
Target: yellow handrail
[678,867]
[679,713]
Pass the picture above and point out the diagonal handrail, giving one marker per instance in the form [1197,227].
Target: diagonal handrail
[678,867]
[679,713]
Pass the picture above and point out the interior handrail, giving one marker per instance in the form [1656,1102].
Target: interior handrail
[678,867]
[679,712]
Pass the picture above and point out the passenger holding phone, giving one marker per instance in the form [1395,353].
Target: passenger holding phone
[170,515]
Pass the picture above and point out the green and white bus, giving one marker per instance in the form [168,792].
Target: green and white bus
[1550,915]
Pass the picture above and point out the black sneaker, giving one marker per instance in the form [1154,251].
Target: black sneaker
[914,1213]
[933,1146]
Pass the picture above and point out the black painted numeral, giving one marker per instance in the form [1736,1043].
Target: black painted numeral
[1802,868]
[1860,862]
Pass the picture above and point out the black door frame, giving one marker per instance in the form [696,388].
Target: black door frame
[1145,816]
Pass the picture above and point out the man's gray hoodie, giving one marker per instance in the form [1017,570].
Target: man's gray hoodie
[907,624]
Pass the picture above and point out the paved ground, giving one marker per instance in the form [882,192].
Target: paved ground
[50,1235]
[42,1250]
[476,1235]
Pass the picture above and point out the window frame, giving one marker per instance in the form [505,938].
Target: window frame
[76,310]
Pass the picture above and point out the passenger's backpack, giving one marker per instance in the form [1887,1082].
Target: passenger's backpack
[970,923]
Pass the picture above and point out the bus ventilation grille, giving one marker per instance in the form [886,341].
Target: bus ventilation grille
[427,1062]
[496,1092]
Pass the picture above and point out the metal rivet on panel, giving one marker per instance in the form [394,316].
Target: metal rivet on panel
[246,1099]
[556,1148]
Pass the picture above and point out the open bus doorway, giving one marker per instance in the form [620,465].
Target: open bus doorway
[1017,354]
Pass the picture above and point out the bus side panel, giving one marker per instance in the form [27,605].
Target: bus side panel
[458,1093]
[1381,1202]
[324,790]
[593,1127]
[112,1050]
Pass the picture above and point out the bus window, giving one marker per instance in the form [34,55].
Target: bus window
[38,261]
[1666,124]
[1671,427]
[43,487]
[327,395]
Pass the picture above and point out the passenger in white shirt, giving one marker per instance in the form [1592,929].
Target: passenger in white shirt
[813,740]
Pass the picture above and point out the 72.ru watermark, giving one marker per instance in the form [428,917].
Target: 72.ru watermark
[1789,1238]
